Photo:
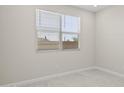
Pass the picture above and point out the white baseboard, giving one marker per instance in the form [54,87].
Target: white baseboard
[109,71]
[22,83]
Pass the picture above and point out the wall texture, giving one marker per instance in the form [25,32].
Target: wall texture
[19,59]
[110,38]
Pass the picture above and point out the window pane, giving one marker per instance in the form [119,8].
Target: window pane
[49,21]
[70,41]
[48,41]
[52,26]
[70,24]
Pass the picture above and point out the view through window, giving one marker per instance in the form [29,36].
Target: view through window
[57,31]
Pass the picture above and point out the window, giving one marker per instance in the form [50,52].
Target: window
[56,31]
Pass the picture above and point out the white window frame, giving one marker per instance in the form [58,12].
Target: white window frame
[60,32]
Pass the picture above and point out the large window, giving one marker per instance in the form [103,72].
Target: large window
[57,31]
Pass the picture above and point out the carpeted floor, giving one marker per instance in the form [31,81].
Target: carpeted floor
[89,78]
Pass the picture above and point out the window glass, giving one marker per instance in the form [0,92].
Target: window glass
[70,41]
[56,31]
[48,41]
[70,24]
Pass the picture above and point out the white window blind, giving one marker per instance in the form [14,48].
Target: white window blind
[48,21]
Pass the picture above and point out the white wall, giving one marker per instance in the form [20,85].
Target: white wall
[19,60]
[110,38]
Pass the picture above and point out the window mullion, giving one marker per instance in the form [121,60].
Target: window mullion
[48,31]
[70,32]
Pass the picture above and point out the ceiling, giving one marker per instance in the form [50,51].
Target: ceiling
[92,8]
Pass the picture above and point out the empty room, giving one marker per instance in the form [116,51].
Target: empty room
[61,45]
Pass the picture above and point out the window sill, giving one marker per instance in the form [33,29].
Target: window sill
[57,50]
